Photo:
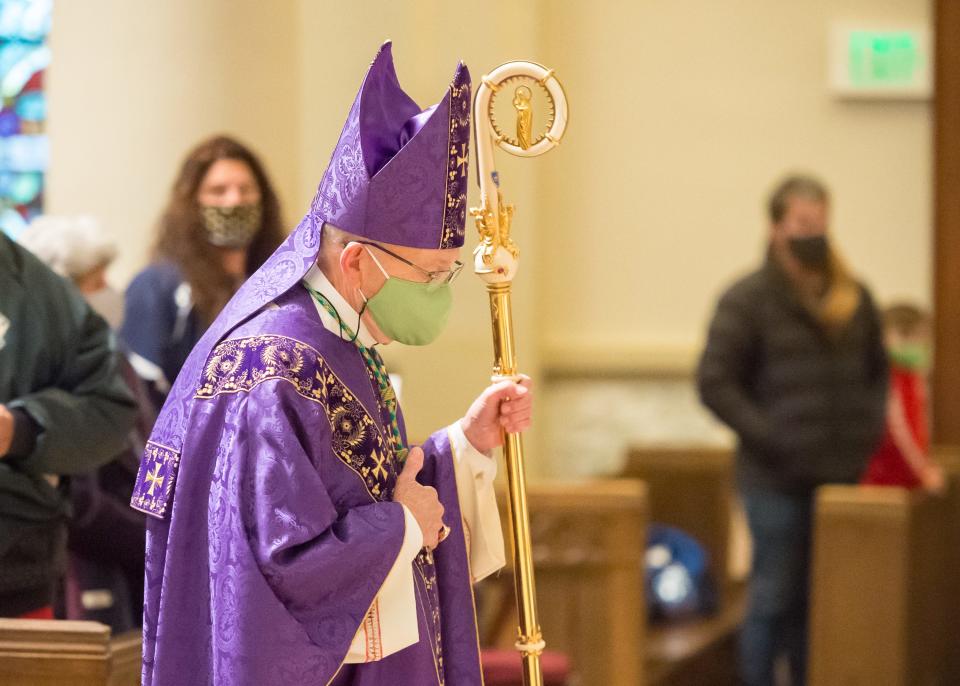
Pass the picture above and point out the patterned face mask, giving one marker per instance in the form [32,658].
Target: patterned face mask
[231,227]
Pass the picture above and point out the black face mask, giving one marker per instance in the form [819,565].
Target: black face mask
[813,252]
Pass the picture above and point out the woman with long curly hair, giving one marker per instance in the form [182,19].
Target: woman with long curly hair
[221,223]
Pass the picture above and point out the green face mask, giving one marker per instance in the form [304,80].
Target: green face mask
[914,356]
[409,312]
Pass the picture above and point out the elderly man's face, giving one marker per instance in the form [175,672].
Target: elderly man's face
[426,259]
[364,267]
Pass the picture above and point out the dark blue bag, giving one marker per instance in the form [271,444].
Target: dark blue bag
[677,575]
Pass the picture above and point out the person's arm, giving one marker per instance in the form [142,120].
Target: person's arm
[475,473]
[724,369]
[148,320]
[82,420]
[919,463]
[467,445]
[18,433]
[333,569]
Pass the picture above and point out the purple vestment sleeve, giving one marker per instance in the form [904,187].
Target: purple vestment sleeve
[448,651]
[325,564]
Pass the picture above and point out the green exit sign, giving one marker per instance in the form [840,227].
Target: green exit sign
[882,59]
[880,63]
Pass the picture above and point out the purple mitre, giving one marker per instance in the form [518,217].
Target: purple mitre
[399,176]
[399,173]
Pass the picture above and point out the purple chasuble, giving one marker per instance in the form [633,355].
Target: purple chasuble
[269,476]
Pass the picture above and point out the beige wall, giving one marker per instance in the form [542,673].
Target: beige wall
[134,84]
[682,116]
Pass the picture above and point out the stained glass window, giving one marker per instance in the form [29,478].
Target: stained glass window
[24,150]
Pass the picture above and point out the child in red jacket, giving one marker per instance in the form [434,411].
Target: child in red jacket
[902,458]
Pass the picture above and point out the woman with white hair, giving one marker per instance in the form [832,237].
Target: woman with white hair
[78,249]
[104,580]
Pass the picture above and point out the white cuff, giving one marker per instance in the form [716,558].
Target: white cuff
[412,536]
[475,473]
[391,622]
[148,371]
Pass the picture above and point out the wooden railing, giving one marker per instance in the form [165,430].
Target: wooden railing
[63,653]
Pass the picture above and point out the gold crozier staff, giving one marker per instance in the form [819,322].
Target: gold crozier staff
[495,261]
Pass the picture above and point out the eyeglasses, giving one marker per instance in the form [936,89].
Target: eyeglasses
[434,279]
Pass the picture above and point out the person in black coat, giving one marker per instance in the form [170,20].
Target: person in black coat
[64,411]
[105,537]
[795,365]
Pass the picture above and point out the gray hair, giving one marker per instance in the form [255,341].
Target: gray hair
[71,246]
[333,235]
[795,185]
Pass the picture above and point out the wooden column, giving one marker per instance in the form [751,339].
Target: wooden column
[946,244]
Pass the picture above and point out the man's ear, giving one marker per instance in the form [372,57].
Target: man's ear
[350,264]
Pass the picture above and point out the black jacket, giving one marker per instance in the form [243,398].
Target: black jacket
[808,408]
[59,375]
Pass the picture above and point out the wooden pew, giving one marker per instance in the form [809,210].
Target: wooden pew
[588,541]
[64,653]
[949,458]
[692,488]
[881,594]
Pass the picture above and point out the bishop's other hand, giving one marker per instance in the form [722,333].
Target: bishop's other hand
[422,501]
[503,406]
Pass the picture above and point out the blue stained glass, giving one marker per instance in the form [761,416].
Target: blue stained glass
[9,123]
[25,19]
[29,63]
[12,52]
[24,148]
[32,106]
[12,222]
[25,188]
[24,153]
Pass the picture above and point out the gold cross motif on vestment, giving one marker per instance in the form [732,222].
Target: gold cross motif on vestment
[155,479]
[379,459]
[462,159]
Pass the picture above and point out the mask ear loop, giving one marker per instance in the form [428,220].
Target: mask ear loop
[343,327]
[359,315]
[365,301]
[376,262]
